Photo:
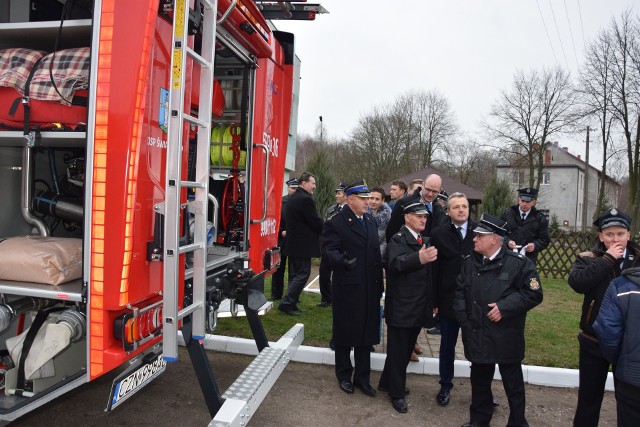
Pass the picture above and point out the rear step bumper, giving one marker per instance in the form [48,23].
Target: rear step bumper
[245,395]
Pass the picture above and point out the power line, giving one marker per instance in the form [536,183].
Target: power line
[547,31]
[559,38]
[584,43]
[573,44]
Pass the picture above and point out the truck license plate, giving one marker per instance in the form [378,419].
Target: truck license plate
[135,377]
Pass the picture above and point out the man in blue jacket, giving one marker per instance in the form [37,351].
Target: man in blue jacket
[618,330]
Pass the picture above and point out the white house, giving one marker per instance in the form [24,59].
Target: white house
[562,192]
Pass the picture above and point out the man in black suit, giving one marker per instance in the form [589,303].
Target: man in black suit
[454,242]
[350,244]
[427,194]
[407,300]
[304,226]
[277,280]
[528,227]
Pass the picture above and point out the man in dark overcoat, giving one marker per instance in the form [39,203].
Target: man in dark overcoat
[304,226]
[454,242]
[350,244]
[496,288]
[324,275]
[528,227]
[277,280]
[407,300]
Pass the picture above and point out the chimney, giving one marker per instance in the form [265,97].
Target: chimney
[579,157]
[547,157]
[566,149]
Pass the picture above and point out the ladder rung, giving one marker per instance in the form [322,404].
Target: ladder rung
[190,248]
[207,4]
[189,309]
[198,58]
[195,121]
[191,184]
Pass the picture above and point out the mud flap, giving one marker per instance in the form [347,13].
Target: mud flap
[145,369]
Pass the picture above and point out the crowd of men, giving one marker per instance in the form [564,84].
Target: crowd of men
[477,278]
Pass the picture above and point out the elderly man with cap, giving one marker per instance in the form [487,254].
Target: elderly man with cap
[590,275]
[325,272]
[528,227]
[277,280]
[350,244]
[496,288]
[407,300]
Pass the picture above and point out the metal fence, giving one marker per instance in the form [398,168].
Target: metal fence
[556,261]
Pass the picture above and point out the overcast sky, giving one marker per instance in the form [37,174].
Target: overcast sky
[367,53]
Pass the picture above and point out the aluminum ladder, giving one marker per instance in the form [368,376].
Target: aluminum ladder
[174,184]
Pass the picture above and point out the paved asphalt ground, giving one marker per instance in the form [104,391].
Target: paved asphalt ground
[305,395]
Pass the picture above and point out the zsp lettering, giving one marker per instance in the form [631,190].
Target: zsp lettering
[272,143]
[156,142]
[268,227]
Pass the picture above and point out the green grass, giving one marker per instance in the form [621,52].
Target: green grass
[552,327]
[550,333]
[317,321]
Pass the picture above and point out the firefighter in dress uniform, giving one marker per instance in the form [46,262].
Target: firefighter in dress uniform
[407,300]
[528,227]
[350,244]
[496,288]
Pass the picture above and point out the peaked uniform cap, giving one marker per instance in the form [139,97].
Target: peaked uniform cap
[359,189]
[528,193]
[490,224]
[417,208]
[613,217]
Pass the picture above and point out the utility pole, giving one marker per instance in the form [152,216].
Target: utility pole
[320,130]
[585,198]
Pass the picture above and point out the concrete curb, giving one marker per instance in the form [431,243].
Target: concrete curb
[538,375]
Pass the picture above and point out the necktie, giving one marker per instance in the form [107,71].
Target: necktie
[460,233]
[485,261]
[364,225]
[419,239]
[429,207]
[524,215]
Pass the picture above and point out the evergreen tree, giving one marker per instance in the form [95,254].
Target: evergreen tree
[320,167]
[497,197]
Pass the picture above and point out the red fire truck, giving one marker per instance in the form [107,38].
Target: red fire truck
[143,147]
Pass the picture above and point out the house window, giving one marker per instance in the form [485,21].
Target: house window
[546,178]
[517,177]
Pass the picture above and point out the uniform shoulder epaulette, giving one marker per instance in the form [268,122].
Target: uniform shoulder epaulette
[467,256]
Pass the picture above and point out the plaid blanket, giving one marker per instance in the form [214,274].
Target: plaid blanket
[15,65]
[70,71]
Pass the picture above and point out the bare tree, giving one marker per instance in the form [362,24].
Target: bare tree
[538,106]
[626,100]
[596,87]
[433,125]
[470,163]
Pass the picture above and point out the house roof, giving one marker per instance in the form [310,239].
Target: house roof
[577,162]
[449,184]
